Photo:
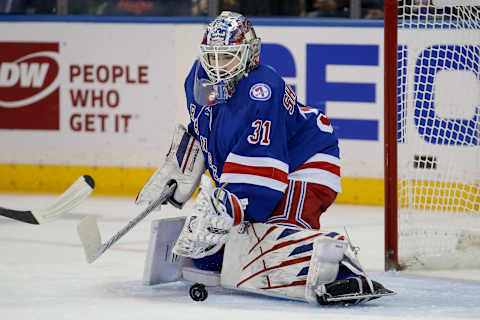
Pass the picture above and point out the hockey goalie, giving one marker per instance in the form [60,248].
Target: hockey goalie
[276,168]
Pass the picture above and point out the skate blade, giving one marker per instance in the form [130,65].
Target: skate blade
[359,296]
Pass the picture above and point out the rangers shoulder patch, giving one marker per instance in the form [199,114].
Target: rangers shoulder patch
[260,92]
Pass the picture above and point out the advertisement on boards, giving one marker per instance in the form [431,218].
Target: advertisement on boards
[86,94]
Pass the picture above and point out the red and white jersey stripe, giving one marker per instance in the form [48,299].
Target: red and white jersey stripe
[321,168]
[261,171]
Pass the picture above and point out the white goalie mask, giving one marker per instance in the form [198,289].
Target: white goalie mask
[229,51]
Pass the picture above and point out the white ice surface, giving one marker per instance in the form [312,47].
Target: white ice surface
[44,275]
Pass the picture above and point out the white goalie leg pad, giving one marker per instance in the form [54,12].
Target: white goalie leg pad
[324,266]
[184,164]
[275,260]
[205,277]
[161,265]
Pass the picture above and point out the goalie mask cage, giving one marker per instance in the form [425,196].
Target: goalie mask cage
[432,125]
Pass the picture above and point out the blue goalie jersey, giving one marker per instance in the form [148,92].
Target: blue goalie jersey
[261,138]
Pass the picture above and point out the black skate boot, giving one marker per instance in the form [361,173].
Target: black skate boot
[353,290]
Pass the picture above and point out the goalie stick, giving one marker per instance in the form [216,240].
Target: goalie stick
[71,198]
[90,235]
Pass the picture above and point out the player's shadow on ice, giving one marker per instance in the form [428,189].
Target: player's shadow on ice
[178,292]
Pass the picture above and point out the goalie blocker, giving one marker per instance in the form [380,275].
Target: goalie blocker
[306,265]
[184,164]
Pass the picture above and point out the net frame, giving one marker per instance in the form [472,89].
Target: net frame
[390,134]
[412,192]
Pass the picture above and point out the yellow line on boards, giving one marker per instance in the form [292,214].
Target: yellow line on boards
[116,181]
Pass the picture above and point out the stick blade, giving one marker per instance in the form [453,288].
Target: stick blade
[24,216]
[90,237]
[69,200]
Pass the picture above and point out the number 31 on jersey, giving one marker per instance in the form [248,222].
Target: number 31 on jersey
[261,132]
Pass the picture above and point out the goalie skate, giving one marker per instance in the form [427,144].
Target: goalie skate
[353,290]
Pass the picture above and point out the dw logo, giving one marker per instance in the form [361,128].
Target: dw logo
[29,86]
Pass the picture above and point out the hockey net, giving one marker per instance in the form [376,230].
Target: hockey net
[437,134]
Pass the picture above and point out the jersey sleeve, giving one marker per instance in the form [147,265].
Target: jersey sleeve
[191,107]
[257,167]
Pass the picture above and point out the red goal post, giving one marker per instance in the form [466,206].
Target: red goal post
[390,133]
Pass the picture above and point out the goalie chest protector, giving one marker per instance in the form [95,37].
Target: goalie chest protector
[260,138]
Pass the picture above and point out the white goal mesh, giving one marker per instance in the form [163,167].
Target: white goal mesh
[438,89]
